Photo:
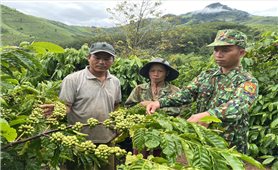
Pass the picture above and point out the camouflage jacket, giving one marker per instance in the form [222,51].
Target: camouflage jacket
[143,92]
[226,96]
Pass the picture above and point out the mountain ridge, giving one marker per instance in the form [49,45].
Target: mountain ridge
[213,12]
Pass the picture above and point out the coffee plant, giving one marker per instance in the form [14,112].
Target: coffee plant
[262,61]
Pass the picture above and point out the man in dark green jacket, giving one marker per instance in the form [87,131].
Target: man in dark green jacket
[226,92]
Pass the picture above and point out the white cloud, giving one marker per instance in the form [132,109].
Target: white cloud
[267,12]
[83,13]
[210,10]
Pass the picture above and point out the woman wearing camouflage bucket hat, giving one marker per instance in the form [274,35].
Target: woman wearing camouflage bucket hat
[160,73]
[226,92]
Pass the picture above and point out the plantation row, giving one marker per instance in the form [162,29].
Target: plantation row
[31,75]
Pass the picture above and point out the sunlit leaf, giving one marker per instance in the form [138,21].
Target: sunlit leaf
[209,119]
[43,47]
[6,131]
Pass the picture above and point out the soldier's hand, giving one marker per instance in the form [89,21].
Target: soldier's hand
[47,109]
[151,108]
[197,117]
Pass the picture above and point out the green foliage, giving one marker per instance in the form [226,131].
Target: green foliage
[43,47]
[59,65]
[136,162]
[6,131]
[15,59]
[210,119]
[21,64]
[262,60]
[191,38]
[263,23]
[127,70]
[202,147]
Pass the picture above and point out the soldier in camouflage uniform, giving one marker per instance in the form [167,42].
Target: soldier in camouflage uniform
[160,73]
[226,92]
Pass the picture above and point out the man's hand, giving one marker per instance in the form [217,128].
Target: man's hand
[196,118]
[47,109]
[151,107]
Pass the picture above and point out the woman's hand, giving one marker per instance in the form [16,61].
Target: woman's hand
[145,103]
[151,107]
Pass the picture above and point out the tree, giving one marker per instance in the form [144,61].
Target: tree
[134,19]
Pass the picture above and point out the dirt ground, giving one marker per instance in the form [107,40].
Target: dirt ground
[251,167]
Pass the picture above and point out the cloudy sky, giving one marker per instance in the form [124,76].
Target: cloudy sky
[93,12]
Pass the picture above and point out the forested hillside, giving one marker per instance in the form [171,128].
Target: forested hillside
[17,27]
